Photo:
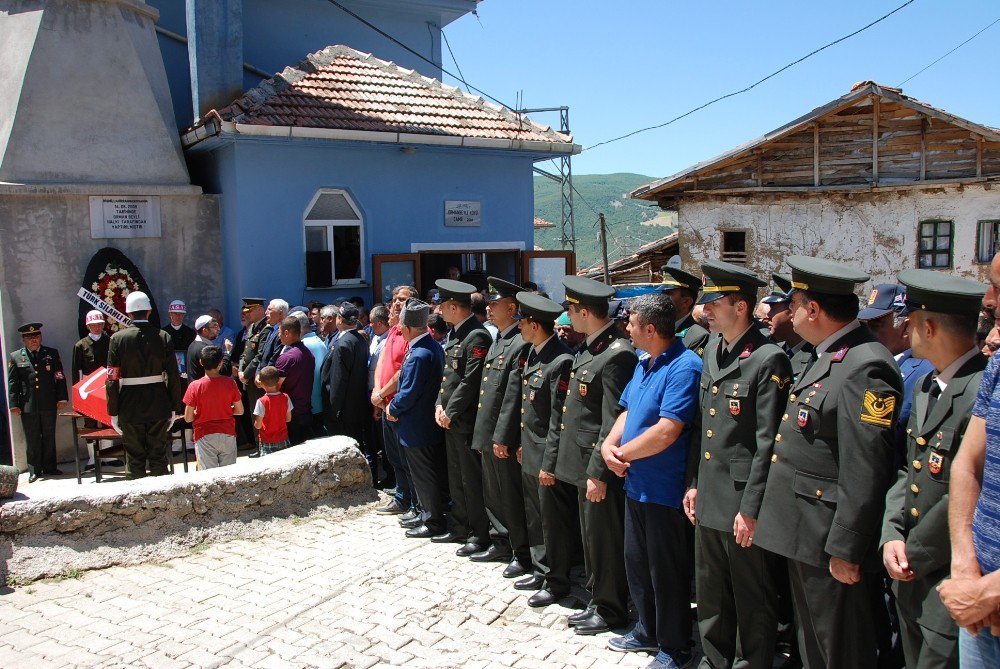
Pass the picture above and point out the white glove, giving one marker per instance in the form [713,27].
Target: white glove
[114,424]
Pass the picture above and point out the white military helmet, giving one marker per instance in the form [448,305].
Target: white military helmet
[136,302]
[94,316]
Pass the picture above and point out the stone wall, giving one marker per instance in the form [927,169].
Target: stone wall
[100,525]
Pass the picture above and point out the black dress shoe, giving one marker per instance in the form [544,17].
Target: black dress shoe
[32,478]
[595,624]
[409,515]
[447,538]
[532,582]
[468,549]
[392,507]
[252,455]
[491,554]
[514,569]
[421,532]
[411,523]
[578,618]
[545,597]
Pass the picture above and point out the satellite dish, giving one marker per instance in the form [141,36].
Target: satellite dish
[674,262]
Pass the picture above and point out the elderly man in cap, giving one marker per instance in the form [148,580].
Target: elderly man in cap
[600,373]
[497,434]
[36,389]
[411,410]
[943,315]
[271,345]
[89,355]
[206,329]
[180,334]
[683,288]
[465,356]
[144,389]
[345,382]
[830,469]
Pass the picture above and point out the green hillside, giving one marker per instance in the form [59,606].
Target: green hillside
[631,223]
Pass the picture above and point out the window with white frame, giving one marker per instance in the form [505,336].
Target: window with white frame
[334,236]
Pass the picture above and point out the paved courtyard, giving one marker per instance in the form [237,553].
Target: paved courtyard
[322,591]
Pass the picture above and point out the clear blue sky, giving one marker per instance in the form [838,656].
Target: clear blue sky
[633,63]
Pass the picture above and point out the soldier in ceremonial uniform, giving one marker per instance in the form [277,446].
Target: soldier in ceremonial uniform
[464,358]
[36,389]
[180,334]
[144,389]
[744,389]
[498,434]
[682,288]
[550,504]
[831,467]
[916,549]
[600,372]
[90,354]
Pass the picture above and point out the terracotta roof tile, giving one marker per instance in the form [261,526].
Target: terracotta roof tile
[344,89]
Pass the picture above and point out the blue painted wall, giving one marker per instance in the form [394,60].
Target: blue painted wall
[266,186]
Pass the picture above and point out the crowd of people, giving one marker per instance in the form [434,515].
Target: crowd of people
[825,473]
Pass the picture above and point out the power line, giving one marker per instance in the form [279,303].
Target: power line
[912,76]
[452,53]
[753,85]
[417,53]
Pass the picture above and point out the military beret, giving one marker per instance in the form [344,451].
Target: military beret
[460,291]
[722,278]
[251,302]
[534,306]
[581,290]
[927,290]
[29,329]
[500,289]
[824,276]
[678,278]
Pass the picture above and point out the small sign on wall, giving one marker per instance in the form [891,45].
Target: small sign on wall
[121,216]
[462,213]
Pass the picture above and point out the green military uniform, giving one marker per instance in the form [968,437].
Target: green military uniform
[498,421]
[36,384]
[695,337]
[743,394]
[144,389]
[917,505]
[249,360]
[551,510]
[600,373]
[464,361]
[831,466]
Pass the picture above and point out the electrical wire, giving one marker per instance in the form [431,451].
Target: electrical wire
[912,76]
[753,85]
[452,54]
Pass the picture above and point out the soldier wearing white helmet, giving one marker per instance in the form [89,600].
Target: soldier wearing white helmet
[144,389]
[90,354]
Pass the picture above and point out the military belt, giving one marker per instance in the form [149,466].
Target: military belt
[143,380]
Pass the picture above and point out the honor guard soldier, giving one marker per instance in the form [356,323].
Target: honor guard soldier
[36,389]
[180,334]
[144,389]
[498,434]
[89,355]
[682,288]
[744,390]
[464,361]
[831,467]
[916,550]
[600,373]
[550,504]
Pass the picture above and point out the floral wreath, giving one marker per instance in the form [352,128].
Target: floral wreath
[113,285]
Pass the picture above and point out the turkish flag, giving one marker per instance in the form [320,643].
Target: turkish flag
[90,396]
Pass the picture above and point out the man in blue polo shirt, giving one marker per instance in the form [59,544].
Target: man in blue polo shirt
[648,446]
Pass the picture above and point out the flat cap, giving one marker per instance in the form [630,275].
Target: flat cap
[533,305]
[678,278]
[499,289]
[30,329]
[824,276]
[415,313]
[722,278]
[581,290]
[927,290]
[460,291]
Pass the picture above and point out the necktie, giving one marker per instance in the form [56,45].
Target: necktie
[934,394]
[812,359]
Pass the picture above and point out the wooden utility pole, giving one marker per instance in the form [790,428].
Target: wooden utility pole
[604,247]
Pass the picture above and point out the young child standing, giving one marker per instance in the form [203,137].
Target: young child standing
[211,403]
[272,412]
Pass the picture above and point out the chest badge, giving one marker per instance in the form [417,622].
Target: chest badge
[583,390]
[454,365]
[531,396]
[803,418]
[734,407]
[934,462]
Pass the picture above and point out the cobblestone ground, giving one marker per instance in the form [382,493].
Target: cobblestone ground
[317,592]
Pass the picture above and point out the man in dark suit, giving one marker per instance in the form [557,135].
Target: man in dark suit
[270,346]
[344,376]
[831,466]
[412,408]
[916,550]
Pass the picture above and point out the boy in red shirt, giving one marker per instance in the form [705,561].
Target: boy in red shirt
[211,403]
[272,412]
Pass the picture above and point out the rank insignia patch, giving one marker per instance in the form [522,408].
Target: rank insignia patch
[479,351]
[747,351]
[734,407]
[878,409]
[803,417]
[839,355]
[780,381]
[563,385]
[583,390]
[935,462]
